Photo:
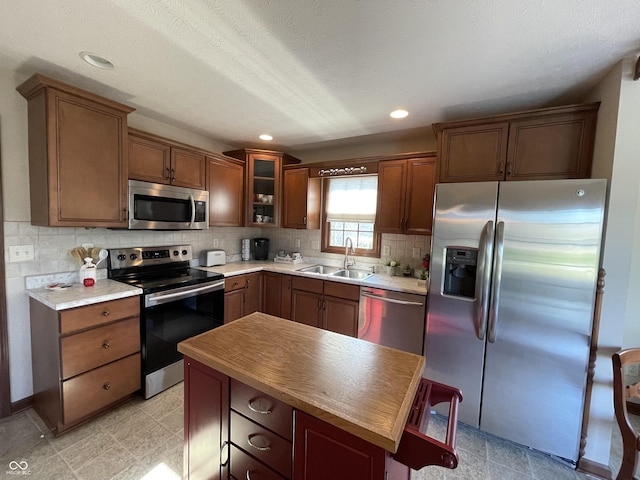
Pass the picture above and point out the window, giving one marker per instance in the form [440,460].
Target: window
[350,212]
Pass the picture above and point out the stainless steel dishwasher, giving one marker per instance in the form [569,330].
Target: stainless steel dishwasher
[394,319]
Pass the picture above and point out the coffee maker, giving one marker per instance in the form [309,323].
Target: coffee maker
[261,248]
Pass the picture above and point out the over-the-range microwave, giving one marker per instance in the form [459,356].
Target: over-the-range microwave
[153,206]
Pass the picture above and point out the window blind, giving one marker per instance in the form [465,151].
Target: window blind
[352,199]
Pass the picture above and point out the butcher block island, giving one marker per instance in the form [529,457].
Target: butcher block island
[269,398]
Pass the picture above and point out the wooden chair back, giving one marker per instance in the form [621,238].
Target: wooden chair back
[621,393]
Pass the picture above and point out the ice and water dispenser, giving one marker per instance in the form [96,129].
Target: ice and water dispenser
[460,272]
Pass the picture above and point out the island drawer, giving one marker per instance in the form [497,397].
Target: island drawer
[262,408]
[261,443]
[245,466]
[98,314]
[98,388]
[93,348]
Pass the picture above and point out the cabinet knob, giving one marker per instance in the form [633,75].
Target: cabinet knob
[106,313]
[106,344]
[106,386]
[257,447]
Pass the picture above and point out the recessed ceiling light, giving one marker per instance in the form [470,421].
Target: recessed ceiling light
[96,60]
[399,113]
[264,136]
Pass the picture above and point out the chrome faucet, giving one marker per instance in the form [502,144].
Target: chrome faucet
[348,245]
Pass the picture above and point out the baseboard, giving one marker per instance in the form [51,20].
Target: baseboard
[21,405]
[593,468]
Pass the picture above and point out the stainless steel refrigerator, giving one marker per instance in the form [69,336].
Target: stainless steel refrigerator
[511,297]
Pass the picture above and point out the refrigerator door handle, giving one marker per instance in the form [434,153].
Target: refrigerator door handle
[483,282]
[497,280]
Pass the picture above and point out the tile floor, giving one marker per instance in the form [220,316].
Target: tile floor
[142,440]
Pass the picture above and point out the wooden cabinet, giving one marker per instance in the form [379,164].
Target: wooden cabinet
[225,184]
[263,189]
[405,195]
[206,425]
[300,199]
[325,304]
[160,160]
[550,143]
[242,295]
[77,156]
[84,360]
[276,298]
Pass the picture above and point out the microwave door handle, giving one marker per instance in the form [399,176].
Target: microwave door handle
[193,210]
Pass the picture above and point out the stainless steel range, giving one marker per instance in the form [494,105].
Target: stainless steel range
[178,302]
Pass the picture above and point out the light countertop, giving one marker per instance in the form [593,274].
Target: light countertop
[357,386]
[378,280]
[78,295]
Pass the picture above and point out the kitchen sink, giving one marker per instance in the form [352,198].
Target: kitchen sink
[355,274]
[320,269]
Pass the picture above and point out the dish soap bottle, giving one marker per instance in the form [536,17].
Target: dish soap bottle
[88,272]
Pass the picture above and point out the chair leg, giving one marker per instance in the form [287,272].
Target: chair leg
[628,467]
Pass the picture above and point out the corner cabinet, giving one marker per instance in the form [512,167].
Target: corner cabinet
[225,184]
[160,160]
[242,295]
[77,156]
[300,199]
[405,194]
[263,189]
[550,143]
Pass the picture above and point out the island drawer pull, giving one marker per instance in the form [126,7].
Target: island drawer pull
[257,410]
[257,447]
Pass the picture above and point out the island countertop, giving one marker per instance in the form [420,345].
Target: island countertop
[360,387]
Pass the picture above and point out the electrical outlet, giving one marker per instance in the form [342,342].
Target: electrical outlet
[386,250]
[416,252]
[297,243]
[21,253]
[315,244]
[215,243]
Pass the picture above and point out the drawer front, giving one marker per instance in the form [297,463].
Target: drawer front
[244,466]
[89,392]
[342,290]
[307,284]
[92,348]
[98,314]
[261,443]
[262,409]
[235,283]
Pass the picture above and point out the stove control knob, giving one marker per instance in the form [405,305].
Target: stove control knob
[133,256]
[184,252]
[176,253]
[122,257]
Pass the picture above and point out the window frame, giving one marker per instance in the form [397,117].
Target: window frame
[326,233]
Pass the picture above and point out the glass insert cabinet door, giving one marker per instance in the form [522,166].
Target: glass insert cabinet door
[263,190]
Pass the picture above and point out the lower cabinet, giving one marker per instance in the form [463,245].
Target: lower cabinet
[242,295]
[85,360]
[276,299]
[235,431]
[325,304]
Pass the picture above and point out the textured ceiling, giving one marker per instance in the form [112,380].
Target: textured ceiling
[310,72]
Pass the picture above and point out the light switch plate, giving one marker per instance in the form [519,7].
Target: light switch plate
[386,250]
[315,244]
[215,243]
[21,253]
[416,252]
[297,243]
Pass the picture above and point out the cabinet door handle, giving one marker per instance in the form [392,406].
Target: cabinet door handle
[509,165]
[124,214]
[304,220]
[224,444]
[106,386]
[168,173]
[248,475]
[254,409]
[501,169]
[173,175]
[106,313]
[106,344]
[257,447]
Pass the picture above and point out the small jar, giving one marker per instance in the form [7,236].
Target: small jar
[88,273]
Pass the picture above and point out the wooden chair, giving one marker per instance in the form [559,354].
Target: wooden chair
[622,392]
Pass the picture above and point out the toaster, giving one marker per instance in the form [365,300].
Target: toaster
[209,258]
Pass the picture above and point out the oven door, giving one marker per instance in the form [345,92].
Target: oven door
[169,317]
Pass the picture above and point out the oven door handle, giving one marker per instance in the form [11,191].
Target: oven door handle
[160,298]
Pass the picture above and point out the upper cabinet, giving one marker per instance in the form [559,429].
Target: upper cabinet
[300,199]
[550,143]
[159,160]
[225,184]
[405,194]
[77,156]
[263,188]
